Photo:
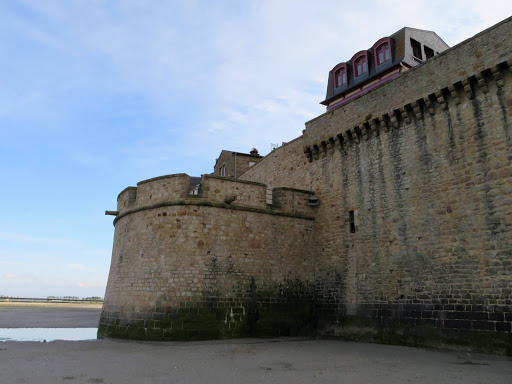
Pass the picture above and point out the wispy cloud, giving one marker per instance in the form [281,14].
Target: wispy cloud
[37,240]
[77,266]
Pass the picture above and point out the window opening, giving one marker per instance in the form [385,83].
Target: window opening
[416,49]
[383,53]
[341,77]
[361,66]
[429,52]
[352,222]
[268,195]
[251,163]
[223,170]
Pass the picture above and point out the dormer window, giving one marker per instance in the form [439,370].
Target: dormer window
[361,66]
[360,63]
[341,76]
[382,50]
[383,53]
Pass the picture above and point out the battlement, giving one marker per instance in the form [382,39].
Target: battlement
[411,242]
[446,80]
[215,191]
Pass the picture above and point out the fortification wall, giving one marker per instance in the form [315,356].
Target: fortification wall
[430,262]
[196,267]
[285,166]
[249,194]
[424,163]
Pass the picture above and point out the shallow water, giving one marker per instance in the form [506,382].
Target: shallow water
[47,334]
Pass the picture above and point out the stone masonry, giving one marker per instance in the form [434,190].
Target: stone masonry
[411,242]
[220,264]
[424,164]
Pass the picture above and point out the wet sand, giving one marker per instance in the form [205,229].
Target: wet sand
[241,361]
[228,361]
[49,315]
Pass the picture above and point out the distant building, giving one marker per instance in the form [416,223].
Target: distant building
[386,59]
[233,164]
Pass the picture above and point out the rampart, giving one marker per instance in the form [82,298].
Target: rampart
[219,264]
[411,242]
[423,164]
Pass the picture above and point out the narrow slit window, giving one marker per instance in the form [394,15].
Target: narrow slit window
[352,218]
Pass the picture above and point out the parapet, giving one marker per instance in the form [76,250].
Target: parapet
[294,200]
[233,192]
[216,191]
[153,191]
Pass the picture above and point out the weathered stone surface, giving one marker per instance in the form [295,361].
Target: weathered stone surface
[422,163]
[201,269]
[431,261]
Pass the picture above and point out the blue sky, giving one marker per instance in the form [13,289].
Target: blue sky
[97,95]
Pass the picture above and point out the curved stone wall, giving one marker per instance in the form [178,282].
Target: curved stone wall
[198,269]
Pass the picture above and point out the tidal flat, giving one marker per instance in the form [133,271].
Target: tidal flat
[281,360]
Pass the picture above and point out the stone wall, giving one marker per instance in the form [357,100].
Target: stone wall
[199,268]
[430,186]
[249,194]
[411,242]
[285,166]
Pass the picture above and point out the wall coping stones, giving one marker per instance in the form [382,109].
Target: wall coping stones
[162,177]
[126,189]
[233,180]
[204,203]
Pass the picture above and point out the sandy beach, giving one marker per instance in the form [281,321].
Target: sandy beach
[282,360]
[241,361]
[49,315]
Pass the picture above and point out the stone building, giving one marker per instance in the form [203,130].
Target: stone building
[233,164]
[390,221]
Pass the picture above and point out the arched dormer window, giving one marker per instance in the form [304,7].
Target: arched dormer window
[340,75]
[382,50]
[360,62]
[383,53]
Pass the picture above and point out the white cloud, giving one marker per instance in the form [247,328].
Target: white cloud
[77,266]
[9,276]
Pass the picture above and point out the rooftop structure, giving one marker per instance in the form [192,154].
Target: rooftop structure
[385,60]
